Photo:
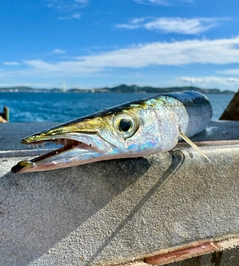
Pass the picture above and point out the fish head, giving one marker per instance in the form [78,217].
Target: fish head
[128,131]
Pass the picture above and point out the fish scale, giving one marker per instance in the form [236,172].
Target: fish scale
[132,129]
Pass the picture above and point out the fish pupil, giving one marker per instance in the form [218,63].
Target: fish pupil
[125,124]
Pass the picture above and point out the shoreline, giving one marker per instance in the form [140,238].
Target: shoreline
[118,89]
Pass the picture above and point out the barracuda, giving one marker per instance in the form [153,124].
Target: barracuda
[133,129]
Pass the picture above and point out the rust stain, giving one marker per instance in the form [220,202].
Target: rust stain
[182,253]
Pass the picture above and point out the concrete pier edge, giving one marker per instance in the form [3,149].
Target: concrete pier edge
[175,206]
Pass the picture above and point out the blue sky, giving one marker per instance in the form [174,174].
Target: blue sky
[96,43]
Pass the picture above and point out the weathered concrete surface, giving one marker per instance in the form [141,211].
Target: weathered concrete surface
[118,211]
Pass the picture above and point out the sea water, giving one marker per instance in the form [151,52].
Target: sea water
[61,107]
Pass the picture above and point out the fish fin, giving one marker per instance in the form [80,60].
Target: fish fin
[193,145]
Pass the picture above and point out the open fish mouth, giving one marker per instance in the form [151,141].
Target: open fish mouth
[68,152]
[97,137]
[130,130]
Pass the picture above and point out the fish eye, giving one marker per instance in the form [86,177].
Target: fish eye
[125,125]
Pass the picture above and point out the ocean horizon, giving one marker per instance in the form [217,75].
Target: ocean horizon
[61,107]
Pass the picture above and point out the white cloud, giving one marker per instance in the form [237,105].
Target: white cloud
[153,2]
[11,63]
[173,25]
[231,71]
[59,51]
[71,16]
[66,4]
[209,80]
[70,8]
[219,51]
[162,2]
[233,80]
[76,16]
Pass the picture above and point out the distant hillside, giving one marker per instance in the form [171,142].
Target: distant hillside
[147,89]
[118,89]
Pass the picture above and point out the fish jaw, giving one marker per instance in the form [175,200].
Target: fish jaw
[79,149]
[76,149]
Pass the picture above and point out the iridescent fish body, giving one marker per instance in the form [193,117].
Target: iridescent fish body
[130,130]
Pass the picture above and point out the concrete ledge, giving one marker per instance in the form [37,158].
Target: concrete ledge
[121,211]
